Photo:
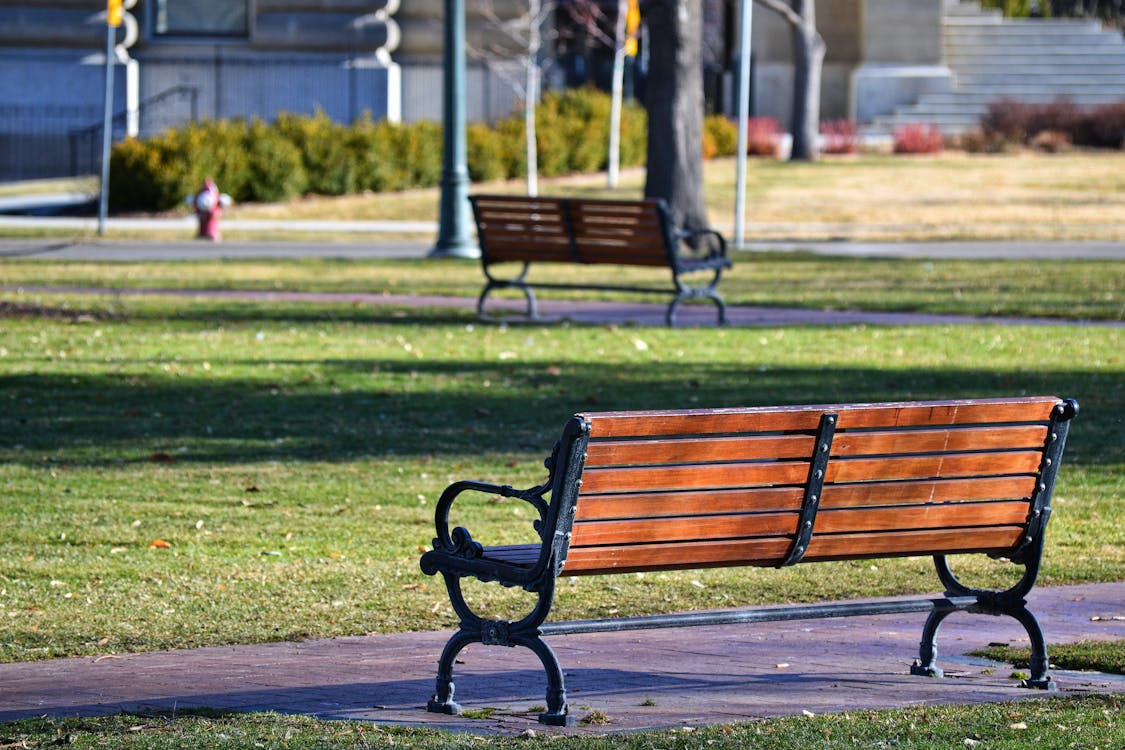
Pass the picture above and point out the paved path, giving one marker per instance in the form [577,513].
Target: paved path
[641,679]
[63,249]
[586,311]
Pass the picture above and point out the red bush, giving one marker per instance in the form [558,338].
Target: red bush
[1102,127]
[763,136]
[1018,122]
[918,138]
[840,137]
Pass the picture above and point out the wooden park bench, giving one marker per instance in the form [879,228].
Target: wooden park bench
[571,230]
[665,490]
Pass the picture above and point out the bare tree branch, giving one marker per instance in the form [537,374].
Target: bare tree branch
[778,6]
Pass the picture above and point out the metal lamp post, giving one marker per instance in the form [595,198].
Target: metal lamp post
[454,239]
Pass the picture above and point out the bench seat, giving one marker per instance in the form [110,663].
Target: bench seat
[771,487]
[534,230]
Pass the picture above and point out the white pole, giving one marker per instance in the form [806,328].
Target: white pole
[617,95]
[743,120]
[107,129]
[531,97]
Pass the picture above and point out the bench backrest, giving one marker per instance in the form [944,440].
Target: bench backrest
[690,489]
[571,230]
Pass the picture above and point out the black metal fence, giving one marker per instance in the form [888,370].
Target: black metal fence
[42,141]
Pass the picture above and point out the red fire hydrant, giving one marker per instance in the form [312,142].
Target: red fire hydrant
[208,204]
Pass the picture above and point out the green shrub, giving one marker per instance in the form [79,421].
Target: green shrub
[380,163]
[134,174]
[419,145]
[218,150]
[585,114]
[298,154]
[1017,8]
[329,163]
[634,135]
[722,135]
[513,146]
[485,153]
[276,167]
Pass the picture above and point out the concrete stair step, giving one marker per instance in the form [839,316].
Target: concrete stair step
[1016,90]
[1094,45]
[1109,60]
[1028,60]
[1056,40]
[967,24]
[978,98]
[1042,78]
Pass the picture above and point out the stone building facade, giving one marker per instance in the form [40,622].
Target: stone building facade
[184,59]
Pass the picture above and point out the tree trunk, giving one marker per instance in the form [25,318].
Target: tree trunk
[674,100]
[809,49]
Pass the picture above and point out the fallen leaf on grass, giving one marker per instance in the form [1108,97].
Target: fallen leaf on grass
[159,544]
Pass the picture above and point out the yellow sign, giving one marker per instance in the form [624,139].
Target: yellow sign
[632,24]
[114,12]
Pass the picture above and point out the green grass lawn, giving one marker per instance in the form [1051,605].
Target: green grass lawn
[1065,289]
[1078,195]
[1080,722]
[184,472]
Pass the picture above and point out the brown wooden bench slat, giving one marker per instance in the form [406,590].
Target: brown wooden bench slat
[657,424]
[662,504]
[528,232]
[615,260]
[716,476]
[714,449]
[897,494]
[542,254]
[893,520]
[641,557]
[710,421]
[918,517]
[924,441]
[997,539]
[933,466]
[622,242]
[941,490]
[682,529]
[692,450]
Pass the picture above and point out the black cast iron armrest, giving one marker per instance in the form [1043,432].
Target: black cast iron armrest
[716,253]
[455,551]
[444,539]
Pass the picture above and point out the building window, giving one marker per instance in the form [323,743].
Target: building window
[201,18]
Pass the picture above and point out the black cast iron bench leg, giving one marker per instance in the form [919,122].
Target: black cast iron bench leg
[475,629]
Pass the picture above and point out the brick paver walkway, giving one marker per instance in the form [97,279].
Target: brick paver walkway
[640,679]
[585,311]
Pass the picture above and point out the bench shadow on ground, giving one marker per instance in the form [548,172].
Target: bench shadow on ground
[517,691]
[349,409]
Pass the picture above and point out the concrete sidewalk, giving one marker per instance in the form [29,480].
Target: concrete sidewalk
[640,680]
[585,312]
[123,250]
